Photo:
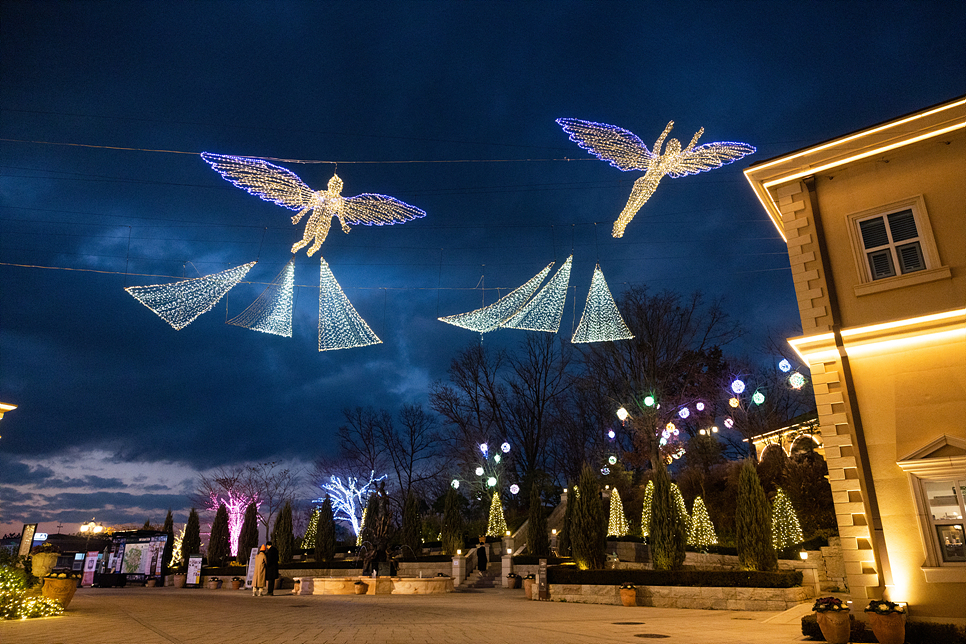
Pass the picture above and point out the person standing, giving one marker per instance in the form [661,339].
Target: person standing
[258,576]
[271,566]
[481,560]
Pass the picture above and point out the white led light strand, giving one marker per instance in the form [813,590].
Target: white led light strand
[283,187]
[545,310]
[624,150]
[340,327]
[180,303]
[272,311]
[600,321]
[491,317]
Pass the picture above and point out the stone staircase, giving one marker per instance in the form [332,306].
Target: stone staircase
[484,579]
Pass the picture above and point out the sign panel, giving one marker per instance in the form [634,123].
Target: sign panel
[194,569]
[26,539]
[90,565]
[250,576]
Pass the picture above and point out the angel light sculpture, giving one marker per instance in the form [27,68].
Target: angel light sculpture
[283,187]
[625,151]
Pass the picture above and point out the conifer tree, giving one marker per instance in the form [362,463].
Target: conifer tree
[785,528]
[168,529]
[248,537]
[588,540]
[701,531]
[646,512]
[282,535]
[308,539]
[412,527]
[191,543]
[668,535]
[218,545]
[452,523]
[496,525]
[681,507]
[617,524]
[538,542]
[563,537]
[753,523]
[325,532]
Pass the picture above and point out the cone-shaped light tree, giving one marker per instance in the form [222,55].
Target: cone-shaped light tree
[308,539]
[496,526]
[753,523]
[701,530]
[646,512]
[785,528]
[617,523]
[681,507]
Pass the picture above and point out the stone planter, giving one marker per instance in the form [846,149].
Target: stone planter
[361,587]
[42,563]
[514,582]
[528,587]
[151,583]
[214,584]
[836,626]
[889,628]
[180,580]
[629,596]
[236,585]
[60,589]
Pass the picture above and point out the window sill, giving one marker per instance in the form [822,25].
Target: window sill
[945,575]
[902,281]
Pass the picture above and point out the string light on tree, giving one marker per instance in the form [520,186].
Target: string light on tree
[545,310]
[180,303]
[646,512]
[283,187]
[349,498]
[600,321]
[340,326]
[489,318]
[625,151]
[617,523]
[272,311]
[612,460]
[785,529]
[682,508]
[701,530]
[699,406]
[496,525]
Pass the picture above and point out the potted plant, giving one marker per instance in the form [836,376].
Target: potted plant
[151,582]
[180,576]
[214,583]
[43,558]
[628,594]
[834,619]
[60,587]
[888,621]
[528,582]
[514,580]
[236,583]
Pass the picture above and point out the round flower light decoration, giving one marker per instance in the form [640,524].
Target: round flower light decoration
[785,366]
[491,481]
[758,398]
[684,412]
[796,380]
[479,471]
[729,423]
[738,386]
[612,460]
[456,484]
[699,406]
[514,489]
[734,402]
[505,448]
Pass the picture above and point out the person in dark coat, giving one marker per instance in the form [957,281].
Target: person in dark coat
[481,557]
[271,566]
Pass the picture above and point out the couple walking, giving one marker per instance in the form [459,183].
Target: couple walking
[266,570]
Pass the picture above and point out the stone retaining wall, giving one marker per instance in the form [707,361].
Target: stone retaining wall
[709,598]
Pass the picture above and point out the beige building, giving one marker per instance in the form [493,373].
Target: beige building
[875,223]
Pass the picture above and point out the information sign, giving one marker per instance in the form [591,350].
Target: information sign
[90,565]
[194,569]
[250,576]
[27,538]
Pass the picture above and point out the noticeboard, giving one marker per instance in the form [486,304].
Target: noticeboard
[194,570]
[250,576]
[27,538]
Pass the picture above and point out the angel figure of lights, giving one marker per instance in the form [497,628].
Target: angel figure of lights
[624,150]
[283,187]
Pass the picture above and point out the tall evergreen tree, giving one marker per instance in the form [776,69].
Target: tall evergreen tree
[668,534]
[589,538]
[496,524]
[452,523]
[753,523]
[308,539]
[168,529]
[191,543]
[701,530]
[412,527]
[325,532]
[563,537]
[681,507]
[646,512]
[282,535]
[538,542]
[248,537]
[218,546]
[617,524]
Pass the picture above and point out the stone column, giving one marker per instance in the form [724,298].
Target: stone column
[459,569]
[507,569]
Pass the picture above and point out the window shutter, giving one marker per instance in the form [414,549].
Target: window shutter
[902,225]
[880,262]
[910,258]
[873,233]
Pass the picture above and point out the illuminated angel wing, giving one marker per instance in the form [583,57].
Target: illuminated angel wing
[262,179]
[620,147]
[708,157]
[378,210]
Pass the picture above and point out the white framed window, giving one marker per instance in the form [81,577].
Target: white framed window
[946,510]
[893,246]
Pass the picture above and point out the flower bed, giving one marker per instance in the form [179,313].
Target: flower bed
[697,597]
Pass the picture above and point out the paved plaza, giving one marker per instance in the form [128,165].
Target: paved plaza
[491,616]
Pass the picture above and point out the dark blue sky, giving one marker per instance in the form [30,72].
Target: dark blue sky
[447,106]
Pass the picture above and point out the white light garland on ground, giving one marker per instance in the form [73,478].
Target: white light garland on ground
[545,310]
[489,318]
[340,327]
[600,321]
[625,151]
[272,311]
[180,303]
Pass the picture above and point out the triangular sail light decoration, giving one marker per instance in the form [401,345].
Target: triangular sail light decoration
[272,311]
[180,303]
[545,310]
[600,321]
[491,317]
[340,327]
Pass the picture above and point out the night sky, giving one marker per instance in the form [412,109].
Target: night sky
[447,106]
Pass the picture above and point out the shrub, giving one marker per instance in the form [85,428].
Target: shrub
[14,602]
[753,523]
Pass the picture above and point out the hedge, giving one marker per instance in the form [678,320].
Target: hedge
[916,632]
[704,578]
[533,560]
